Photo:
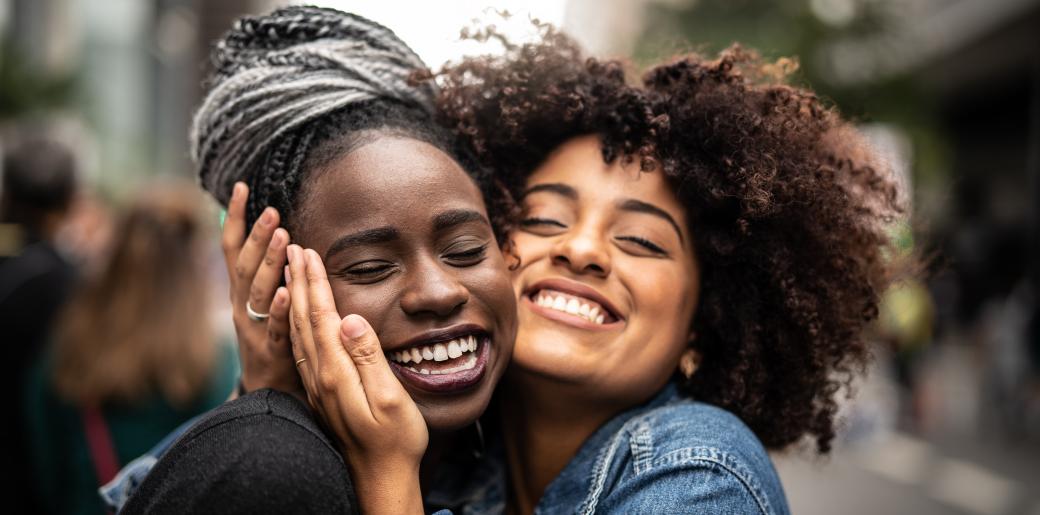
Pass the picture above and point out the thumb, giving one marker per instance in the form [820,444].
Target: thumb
[360,341]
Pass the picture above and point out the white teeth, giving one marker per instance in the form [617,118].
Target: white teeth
[573,306]
[454,350]
[440,352]
[467,365]
[437,352]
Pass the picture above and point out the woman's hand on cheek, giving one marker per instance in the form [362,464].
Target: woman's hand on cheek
[254,265]
[350,384]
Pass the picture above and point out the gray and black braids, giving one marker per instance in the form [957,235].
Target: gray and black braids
[278,84]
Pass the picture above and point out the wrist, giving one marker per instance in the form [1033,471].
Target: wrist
[388,489]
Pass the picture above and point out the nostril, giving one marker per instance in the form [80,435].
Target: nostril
[562,260]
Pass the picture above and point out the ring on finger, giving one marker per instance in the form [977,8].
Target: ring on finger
[301,360]
[254,316]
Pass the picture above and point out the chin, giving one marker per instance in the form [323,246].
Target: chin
[544,356]
[448,416]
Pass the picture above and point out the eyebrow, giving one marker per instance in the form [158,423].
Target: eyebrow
[554,187]
[366,237]
[638,206]
[455,217]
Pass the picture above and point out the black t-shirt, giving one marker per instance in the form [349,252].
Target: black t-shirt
[261,453]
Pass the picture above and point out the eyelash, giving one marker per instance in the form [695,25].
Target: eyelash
[528,222]
[367,270]
[645,243]
[649,245]
[469,254]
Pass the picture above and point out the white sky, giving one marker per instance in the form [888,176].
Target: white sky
[431,27]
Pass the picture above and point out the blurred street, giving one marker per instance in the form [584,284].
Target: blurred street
[905,475]
[949,469]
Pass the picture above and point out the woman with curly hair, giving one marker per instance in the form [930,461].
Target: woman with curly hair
[698,256]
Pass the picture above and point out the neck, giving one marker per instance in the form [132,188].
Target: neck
[543,430]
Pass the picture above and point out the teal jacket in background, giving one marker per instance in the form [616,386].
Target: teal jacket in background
[63,471]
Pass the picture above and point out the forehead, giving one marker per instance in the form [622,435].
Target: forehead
[387,181]
[579,164]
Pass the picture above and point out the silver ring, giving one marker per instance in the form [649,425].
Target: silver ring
[254,316]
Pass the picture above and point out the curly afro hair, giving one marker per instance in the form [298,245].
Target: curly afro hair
[787,205]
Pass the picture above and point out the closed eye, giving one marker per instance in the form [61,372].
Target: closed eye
[647,244]
[535,221]
[468,257]
[367,272]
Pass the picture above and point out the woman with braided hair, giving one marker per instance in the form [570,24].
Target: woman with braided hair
[312,122]
[710,233]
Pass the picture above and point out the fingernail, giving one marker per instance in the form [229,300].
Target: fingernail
[290,253]
[237,190]
[276,239]
[312,258]
[288,276]
[267,218]
[354,326]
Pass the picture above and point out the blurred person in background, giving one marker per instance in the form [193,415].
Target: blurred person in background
[135,355]
[39,184]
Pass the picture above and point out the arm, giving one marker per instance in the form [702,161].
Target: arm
[350,384]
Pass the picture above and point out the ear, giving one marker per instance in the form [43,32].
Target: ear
[689,362]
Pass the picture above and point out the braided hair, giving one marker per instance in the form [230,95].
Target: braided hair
[295,89]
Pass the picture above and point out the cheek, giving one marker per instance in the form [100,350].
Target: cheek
[489,282]
[529,249]
[663,304]
[374,302]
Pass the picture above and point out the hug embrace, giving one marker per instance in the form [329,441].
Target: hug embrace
[523,283]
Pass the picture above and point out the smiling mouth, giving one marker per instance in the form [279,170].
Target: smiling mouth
[443,367]
[567,305]
[457,355]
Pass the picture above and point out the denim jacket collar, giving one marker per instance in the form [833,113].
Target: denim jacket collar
[480,488]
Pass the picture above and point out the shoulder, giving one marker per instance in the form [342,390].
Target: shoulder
[261,453]
[684,423]
[697,454]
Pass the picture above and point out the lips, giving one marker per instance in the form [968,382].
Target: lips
[444,361]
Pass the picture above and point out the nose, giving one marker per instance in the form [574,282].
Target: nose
[583,251]
[433,289]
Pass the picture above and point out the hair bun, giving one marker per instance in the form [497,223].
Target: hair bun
[279,71]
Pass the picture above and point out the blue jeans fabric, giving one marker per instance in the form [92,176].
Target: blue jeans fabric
[671,455]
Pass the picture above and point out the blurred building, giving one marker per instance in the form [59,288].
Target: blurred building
[136,68]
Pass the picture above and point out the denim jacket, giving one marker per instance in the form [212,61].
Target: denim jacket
[671,455]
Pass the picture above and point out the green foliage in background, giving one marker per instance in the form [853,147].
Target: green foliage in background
[790,28]
[26,90]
